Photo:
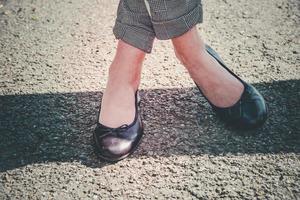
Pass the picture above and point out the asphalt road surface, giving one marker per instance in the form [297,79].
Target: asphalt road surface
[54,59]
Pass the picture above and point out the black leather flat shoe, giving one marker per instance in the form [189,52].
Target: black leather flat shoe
[114,144]
[250,111]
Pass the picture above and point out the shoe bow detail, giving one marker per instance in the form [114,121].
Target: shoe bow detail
[103,131]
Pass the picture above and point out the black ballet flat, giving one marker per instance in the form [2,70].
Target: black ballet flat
[250,111]
[114,144]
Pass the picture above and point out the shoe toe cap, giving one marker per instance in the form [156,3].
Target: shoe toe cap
[254,109]
[115,147]
[254,113]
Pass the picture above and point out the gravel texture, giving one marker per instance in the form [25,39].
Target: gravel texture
[54,58]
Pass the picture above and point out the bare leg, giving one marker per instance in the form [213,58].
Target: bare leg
[217,84]
[117,105]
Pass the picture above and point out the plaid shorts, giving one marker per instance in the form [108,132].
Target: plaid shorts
[138,22]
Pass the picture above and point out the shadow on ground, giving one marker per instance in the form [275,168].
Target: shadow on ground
[58,127]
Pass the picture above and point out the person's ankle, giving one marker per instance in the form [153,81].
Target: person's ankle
[121,87]
[125,73]
[117,107]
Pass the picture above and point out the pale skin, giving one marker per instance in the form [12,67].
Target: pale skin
[218,85]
